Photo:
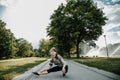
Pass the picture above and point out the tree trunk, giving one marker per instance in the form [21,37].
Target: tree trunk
[77,50]
[69,55]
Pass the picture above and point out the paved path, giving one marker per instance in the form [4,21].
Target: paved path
[76,72]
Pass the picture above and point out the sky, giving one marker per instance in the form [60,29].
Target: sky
[29,19]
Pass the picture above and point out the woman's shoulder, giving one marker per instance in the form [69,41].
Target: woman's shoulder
[59,57]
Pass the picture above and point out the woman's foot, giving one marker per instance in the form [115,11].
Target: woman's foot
[64,74]
[36,73]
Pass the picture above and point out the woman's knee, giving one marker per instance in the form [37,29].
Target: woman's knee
[66,68]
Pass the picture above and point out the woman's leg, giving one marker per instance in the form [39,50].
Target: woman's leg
[66,70]
[43,72]
[54,69]
[46,71]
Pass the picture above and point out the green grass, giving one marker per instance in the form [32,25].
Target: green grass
[110,64]
[14,67]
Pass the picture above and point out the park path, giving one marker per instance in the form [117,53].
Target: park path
[76,72]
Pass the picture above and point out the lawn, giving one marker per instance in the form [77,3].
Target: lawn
[110,64]
[13,67]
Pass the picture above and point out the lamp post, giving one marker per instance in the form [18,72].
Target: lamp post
[106,45]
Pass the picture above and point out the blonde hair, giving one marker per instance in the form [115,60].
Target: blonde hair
[53,49]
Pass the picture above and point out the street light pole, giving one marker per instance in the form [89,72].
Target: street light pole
[106,45]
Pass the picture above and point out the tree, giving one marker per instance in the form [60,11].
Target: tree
[25,48]
[59,32]
[44,47]
[37,54]
[8,45]
[81,20]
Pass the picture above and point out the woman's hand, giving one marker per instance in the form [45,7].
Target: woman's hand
[63,70]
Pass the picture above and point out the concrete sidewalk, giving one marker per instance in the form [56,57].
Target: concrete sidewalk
[76,72]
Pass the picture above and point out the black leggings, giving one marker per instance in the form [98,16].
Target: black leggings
[58,68]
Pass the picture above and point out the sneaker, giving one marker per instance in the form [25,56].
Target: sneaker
[64,74]
[35,73]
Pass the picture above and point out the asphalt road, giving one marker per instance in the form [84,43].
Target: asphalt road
[76,72]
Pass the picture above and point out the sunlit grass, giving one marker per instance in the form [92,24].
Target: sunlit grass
[110,64]
[14,67]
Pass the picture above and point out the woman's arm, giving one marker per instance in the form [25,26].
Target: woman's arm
[64,64]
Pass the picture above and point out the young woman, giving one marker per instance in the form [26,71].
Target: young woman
[58,61]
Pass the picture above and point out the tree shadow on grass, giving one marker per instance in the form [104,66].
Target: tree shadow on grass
[18,69]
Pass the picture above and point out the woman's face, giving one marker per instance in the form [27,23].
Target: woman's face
[53,53]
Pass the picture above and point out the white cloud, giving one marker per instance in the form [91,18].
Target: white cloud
[115,1]
[29,18]
[112,13]
[8,2]
[2,2]
[118,33]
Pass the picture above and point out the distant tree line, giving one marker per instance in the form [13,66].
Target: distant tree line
[10,47]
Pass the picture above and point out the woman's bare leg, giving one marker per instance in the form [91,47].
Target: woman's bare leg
[44,72]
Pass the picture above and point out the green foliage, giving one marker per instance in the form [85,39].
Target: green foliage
[44,47]
[36,52]
[8,45]
[77,21]
[11,47]
[25,48]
